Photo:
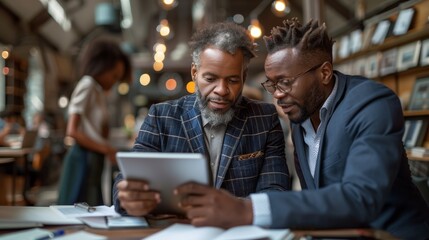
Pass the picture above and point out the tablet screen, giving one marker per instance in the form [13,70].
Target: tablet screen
[164,172]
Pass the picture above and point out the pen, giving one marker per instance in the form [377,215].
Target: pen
[85,206]
[52,235]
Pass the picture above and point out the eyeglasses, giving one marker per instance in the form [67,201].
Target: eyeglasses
[285,85]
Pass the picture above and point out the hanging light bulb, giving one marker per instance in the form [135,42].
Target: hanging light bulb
[168,4]
[163,28]
[280,8]
[255,28]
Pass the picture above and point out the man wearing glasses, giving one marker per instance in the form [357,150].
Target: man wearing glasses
[347,133]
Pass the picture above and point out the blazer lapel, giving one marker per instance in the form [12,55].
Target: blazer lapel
[233,133]
[191,122]
[341,87]
[302,156]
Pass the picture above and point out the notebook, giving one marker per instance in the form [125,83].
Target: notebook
[164,172]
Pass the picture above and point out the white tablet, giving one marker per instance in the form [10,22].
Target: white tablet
[164,172]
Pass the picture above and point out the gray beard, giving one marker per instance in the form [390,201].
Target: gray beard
[214,118]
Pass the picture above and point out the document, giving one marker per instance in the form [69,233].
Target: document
[33,215]
[70,211]
[29,234]
[38,233]
[180,231]
[114,222]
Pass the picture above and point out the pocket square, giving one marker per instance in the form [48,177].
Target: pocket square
[251,155]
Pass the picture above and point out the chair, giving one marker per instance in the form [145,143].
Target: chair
[422,184]
[4,162]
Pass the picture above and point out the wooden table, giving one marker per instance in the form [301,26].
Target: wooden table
[17,214]
[139,233]
[18,154]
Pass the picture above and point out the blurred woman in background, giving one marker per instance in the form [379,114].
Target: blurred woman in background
[102,64]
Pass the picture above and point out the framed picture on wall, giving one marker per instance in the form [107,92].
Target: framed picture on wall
[408,55]
[344,48]
[380,32]
[403,22]
[388,61]
[359,67]
[372,65]
[414,132]
[424,58]
[355,41]
[420,96]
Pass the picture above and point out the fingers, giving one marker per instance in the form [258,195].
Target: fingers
[139,208]
[136,197]
[132,185]
[188,201]
[192,188]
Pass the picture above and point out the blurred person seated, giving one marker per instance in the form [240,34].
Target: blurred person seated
[12,127]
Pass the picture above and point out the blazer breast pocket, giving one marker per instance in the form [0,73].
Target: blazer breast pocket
[247,156]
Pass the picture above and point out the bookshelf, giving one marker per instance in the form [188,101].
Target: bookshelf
[402,79]
[15,72]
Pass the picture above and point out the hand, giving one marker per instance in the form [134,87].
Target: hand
[111,154]
[136,197]
[207,206]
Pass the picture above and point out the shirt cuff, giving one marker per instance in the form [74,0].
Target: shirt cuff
[261,210]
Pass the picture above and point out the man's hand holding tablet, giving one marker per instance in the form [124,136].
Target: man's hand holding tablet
[150,180]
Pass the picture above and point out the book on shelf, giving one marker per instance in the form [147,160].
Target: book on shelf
[420,152]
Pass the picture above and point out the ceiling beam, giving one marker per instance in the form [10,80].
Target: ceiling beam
[15,17]
[340,8]
[39,19]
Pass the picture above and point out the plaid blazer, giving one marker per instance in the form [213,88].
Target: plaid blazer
[252,157]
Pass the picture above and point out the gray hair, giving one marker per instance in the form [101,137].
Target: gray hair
[226,36]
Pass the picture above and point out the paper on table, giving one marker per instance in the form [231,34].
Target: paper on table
[188,232]
[180,231]
[252,232]
[29,234]
[42,215]
[19,225]
[81,235]
[115,222]
[73,212]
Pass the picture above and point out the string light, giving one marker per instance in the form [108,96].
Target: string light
[123,88]
[159,56]
[168,4]
[280,8]
[4,54]
[255,28]
[145,79]
[160,47]
[163,28]
[158,66]
[190,87]
[171,84]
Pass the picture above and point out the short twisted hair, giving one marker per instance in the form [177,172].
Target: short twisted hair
[312,38]
[226,36]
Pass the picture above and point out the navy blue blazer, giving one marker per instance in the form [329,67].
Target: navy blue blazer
[251,159]
[362,177]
